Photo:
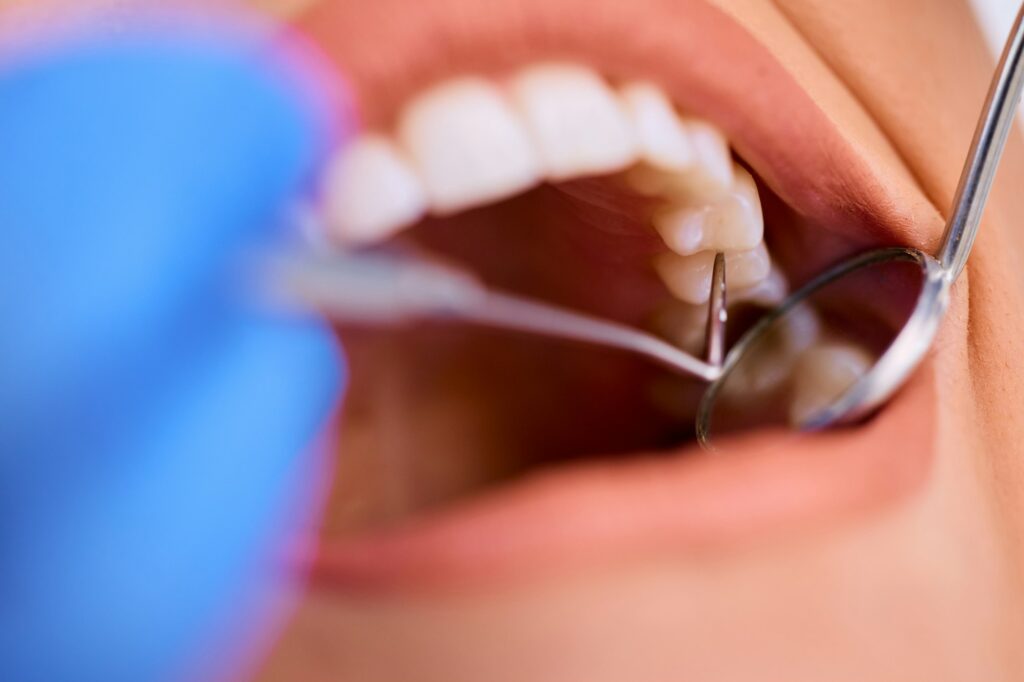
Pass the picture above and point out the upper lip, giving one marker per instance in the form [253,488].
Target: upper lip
[715,69]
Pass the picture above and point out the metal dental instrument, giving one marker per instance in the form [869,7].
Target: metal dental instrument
[939,273]
[389,287]
[386,287]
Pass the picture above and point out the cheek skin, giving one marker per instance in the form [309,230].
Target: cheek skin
[885,67]
[927,589]
[931,120]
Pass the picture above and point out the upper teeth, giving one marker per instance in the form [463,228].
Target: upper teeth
[469,141]
[575,119]
[468,145]
[689,277]
[373,189]
[662,137]
[732,222]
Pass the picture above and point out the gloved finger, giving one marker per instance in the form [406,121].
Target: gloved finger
[130,171]
[153,424]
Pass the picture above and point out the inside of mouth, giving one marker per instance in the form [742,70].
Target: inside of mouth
[439,411]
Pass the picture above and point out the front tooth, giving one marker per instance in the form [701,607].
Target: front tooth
[576,120]
[689,277]
[733,222]
[822,375]
[662,137]
[370,191]
[468,144]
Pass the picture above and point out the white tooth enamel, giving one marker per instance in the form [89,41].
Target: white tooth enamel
[769,365]
[576,120]
[822,374]
[647,180]
[734,222]
[770,291]
[661,136]
[800,328]
[747,268]
[685,324]
[370,191]
[709,177]
[712,175]
[689,277]
[468,145]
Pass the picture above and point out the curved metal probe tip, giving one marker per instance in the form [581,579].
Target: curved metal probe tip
[718,315]
[394,287]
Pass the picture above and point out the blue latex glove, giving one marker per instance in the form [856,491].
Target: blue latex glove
[156,432]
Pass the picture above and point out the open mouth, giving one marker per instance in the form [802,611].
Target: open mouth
[602,176]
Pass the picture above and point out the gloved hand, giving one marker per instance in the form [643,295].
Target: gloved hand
[157,432]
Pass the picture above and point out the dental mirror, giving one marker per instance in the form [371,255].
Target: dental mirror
[861,364]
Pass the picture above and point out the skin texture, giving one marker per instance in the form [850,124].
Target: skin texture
[923,582]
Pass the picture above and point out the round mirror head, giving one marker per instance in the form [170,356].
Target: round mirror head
[833,351]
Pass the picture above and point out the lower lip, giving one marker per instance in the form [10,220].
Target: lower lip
[762,485]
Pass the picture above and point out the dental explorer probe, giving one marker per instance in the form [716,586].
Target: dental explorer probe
[389,287]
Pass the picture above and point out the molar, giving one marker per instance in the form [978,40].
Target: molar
[771,291]
[734,222]
[370,192]
[468,144]
[685,324]
[688,278]
[575,119]
[768,367]
[822,374]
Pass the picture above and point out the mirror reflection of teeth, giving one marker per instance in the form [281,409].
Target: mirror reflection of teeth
[822,374]
[471,141]
[769,368]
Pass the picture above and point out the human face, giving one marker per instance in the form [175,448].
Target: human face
[885,551]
